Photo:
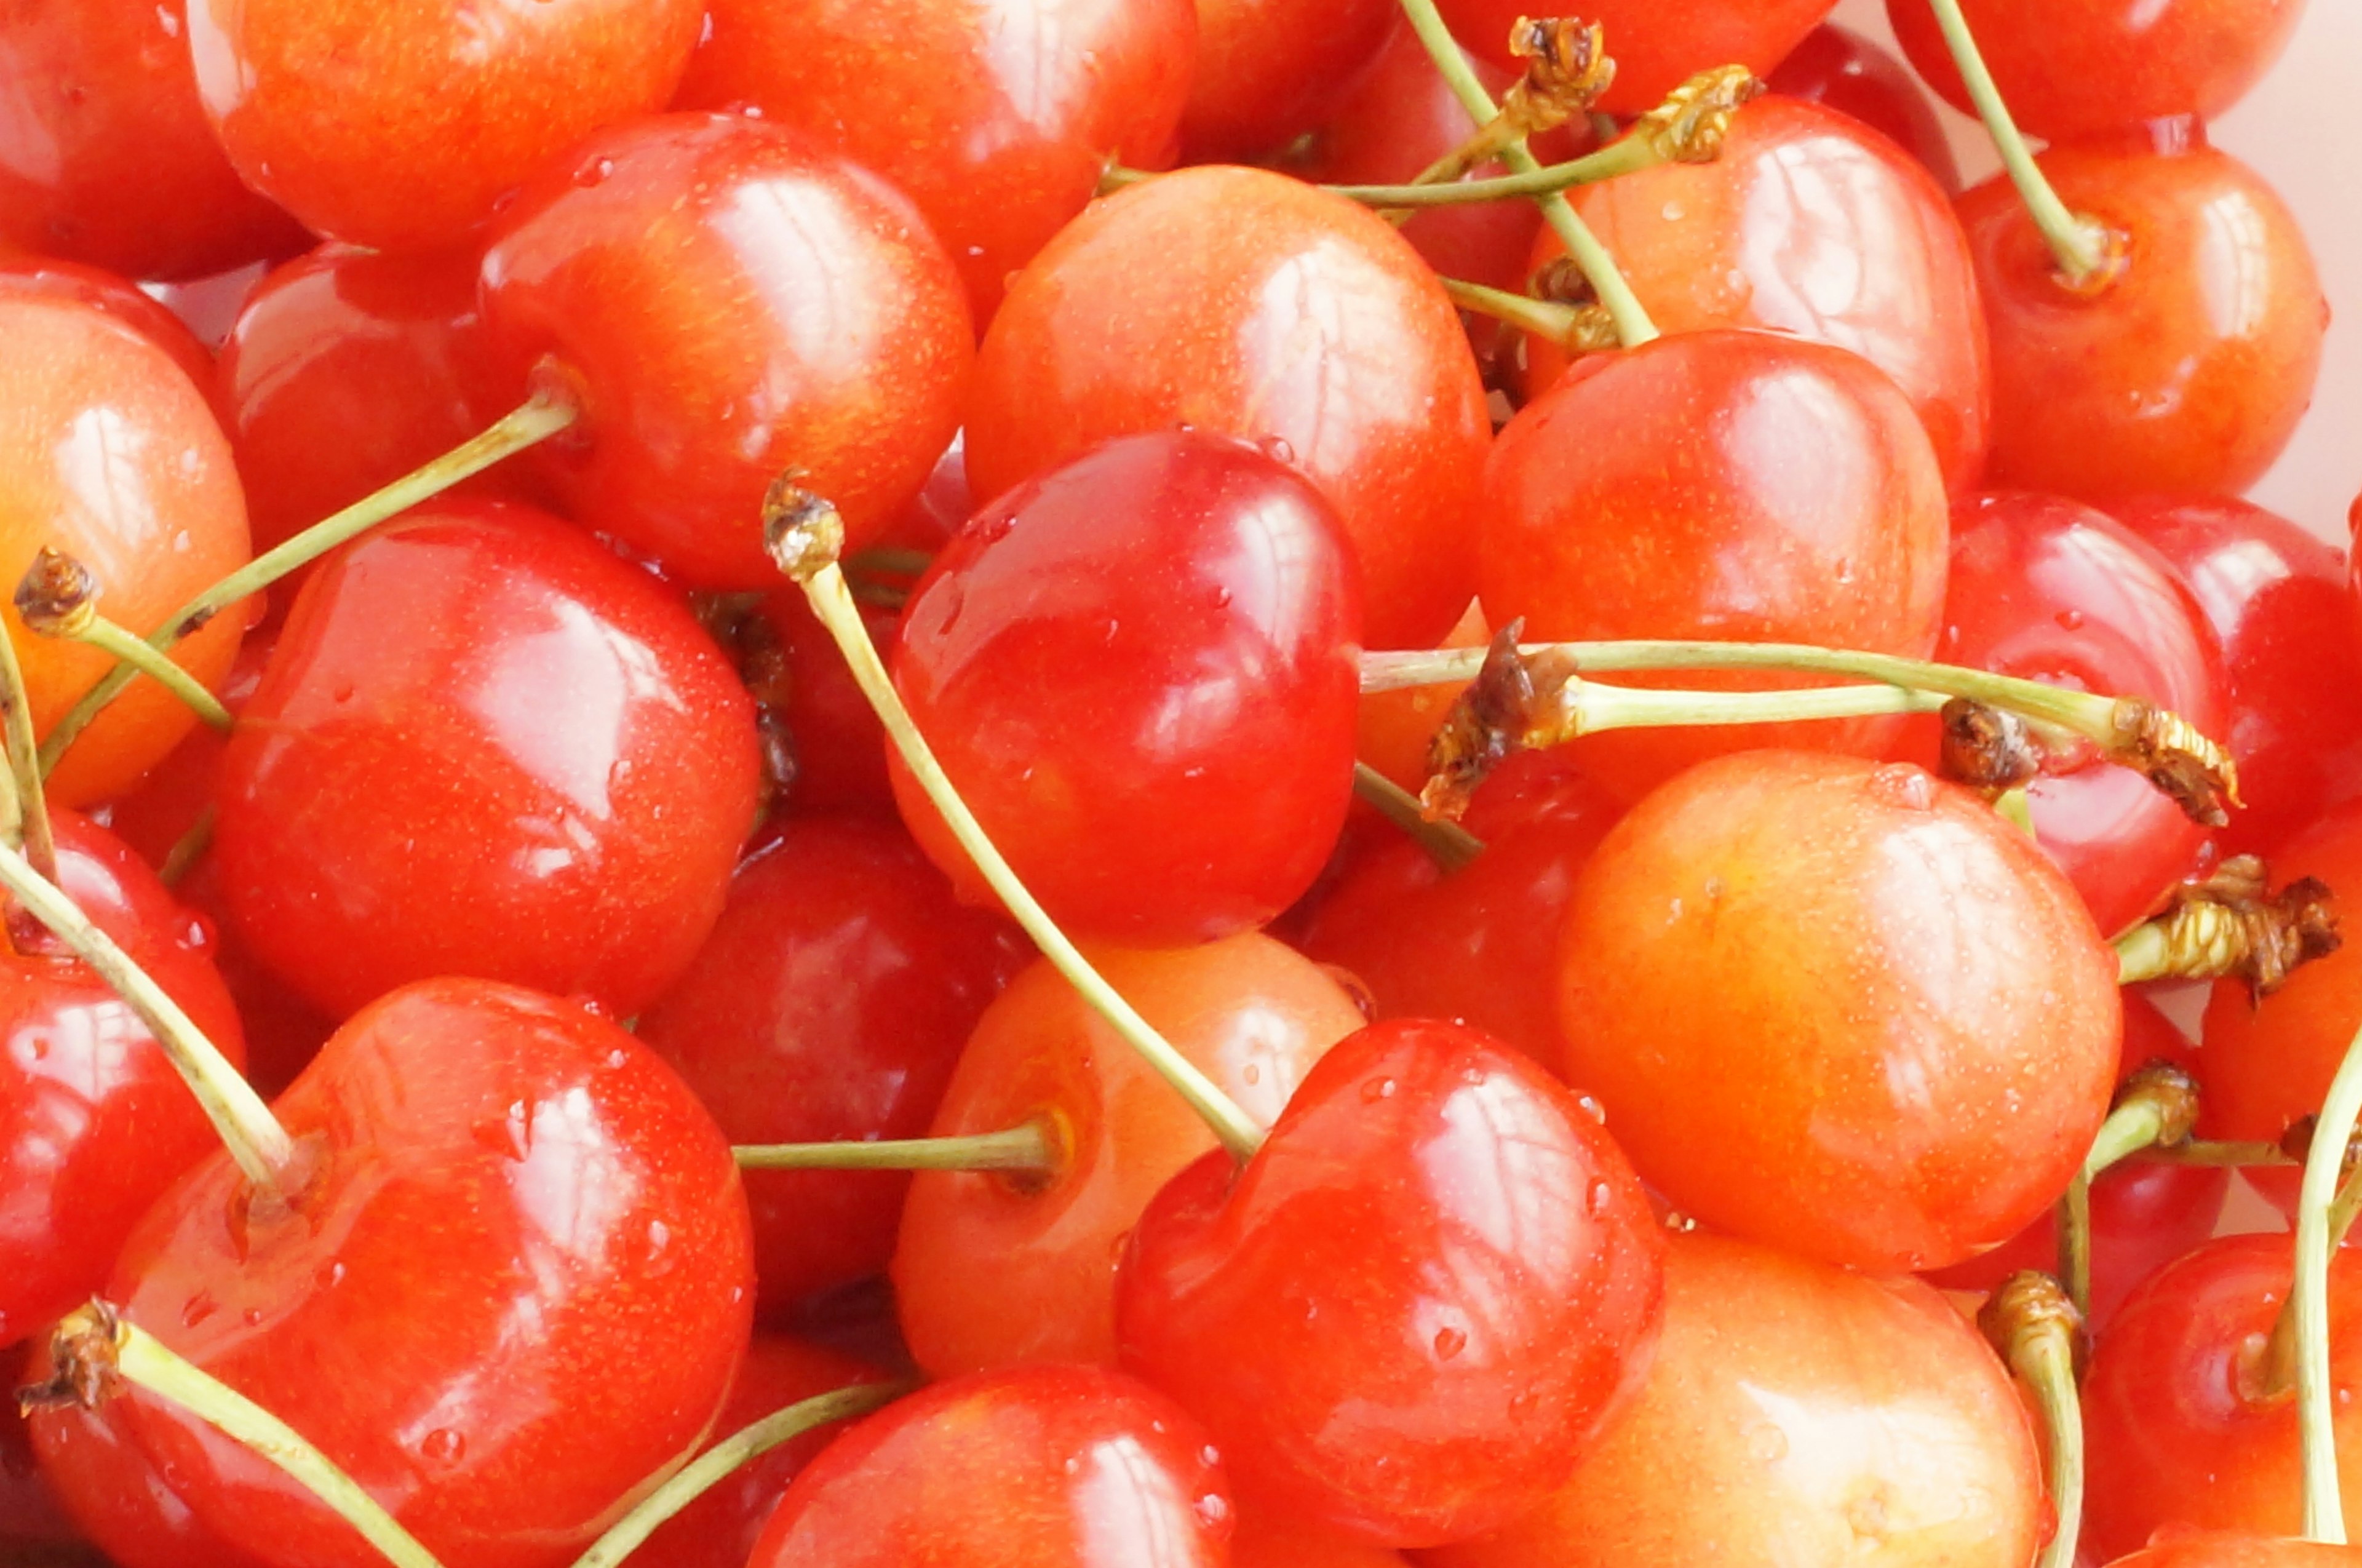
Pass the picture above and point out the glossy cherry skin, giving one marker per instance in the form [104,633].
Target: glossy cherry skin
[1267,70]
[2050,591]
[831,1002]
[29,1513]
[117,1500]
[1656,493]
[1251,1014]
[1837,1007]
[406,137]
[2178,1429]
[1141,672]
[995,116]
[1034,1467]
[1806,225]
[93,1119]
[839,746]
[485,745]
[2189,371]
[118,297]
[1794,1413]
[719,1530]
[1278,1540]
[2275,599]
[2215,1550]
[1243,301]
[1658,44]
[2143,1214]
[726,300]
[105,156]
[1838,67]
[513,1287]
[1410,1311]
[110,453]
[2080,72]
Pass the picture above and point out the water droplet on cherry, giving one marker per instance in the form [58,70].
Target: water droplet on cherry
[1449,1342]
[442,1446]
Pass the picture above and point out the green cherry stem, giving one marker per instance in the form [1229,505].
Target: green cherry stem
[2324,1512]
[24,801]
[539,417]
[1030,1149]
[2083,250]
[1546,319]
[2154,1109]
[265,1154]
[804,534]
[1629,155]
[1633,326]
[1449,845]
[2033,1327]
[742,1447]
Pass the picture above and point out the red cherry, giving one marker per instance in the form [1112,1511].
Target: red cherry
[105,156]
[1251,1014]
[840,747]
[1656,493]
[1278,1540]
[1035,1467]
[404,133]
[1140,670]
[2079,71]
[726,299]
[514,1284]
[117,297]
[2189,370]
[485,745]
[1837,1007]
[1658,44]
[831,1002]
[2050,591]
[997,119]
[1267,70]
[29,1514]
[1243,301]
[2276,601]
[2181,1428]
[1799,1410]
[1806,225]
[114,1495]
[1410,1311]
[1839,67]
[2213,1550]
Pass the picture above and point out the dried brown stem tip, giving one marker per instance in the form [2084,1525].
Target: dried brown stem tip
[1986,749]
[2231,925]
[2172,754]
[1690,126]
[82,1350]
[802,533]
[2030,1304]
[2168,1093]
[58,596]
[1486,727]
[1567,68]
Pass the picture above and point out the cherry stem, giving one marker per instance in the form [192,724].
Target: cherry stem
[123,1350]
[804,534]
[2219,1155]
[2156,1108]
[1031,1149]
[188,849]
[1588,707]
[1633,326]
[1448,843]
[260,1147]
[23,800]
[535,420]
[742,1447]
[113,640]
[2030,1322]
[1627,156]
[2083,250]
[2324,1512]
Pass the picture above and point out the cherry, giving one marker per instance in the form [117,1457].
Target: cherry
[1653,493]
[1393,729]
[2051,591]
[1411,1311]
[1838,1007]
[116,1496]
[1243,301]
[1249,1011]
[840,747]
[117,297]
[511,1283]
[1034,1467]
[1658,44]
[2185,372]
[105,156]
[724,299]
[29,1514]
[1839,67]
[2215,1550]
[996,118]
[1806,225]
[831,1001]
[1814,1416]
[1139,670]
[2103,66]
[2184,1428]
[111,454]
[1277,1541]
[1267,70]
[405,136]
[2276,600]
[483,744]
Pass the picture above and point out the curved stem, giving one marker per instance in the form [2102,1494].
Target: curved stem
[747,1444]
[2075,1239]
[539,418]
[1628,155]
[2324,1512]
[118,643]
[2214,1153]
[1029,1148]
[261,1148]
[24,753]
[2157,1108]
[1596,708]
[2034,1328]
[1632,324]
[1546,319]
[1448,843]
[2079,245]
[188,849]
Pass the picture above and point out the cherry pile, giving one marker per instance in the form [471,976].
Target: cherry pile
[1163,783]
